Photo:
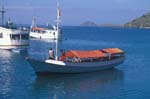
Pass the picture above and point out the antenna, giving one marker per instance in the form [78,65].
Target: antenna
[2,11]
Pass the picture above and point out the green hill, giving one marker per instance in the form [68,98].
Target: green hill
[141,22]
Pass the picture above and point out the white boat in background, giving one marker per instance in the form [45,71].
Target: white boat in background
[11,37]
[45,33]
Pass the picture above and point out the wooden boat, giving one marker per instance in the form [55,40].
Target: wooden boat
[80,61]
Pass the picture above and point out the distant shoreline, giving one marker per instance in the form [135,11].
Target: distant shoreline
[107,26]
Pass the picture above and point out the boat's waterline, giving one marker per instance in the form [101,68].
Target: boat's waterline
[14,46]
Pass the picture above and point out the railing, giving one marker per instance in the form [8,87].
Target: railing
[73,60]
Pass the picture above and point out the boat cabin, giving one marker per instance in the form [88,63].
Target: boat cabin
[92,56]
[113,53]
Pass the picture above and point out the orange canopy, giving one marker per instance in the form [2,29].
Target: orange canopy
[113,50]
[37,28]
[84,54]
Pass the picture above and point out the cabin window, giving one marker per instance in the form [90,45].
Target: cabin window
[43,31]
[15,36]
[1,35]
[39,31]
[19,36]
[24,36]
[53,33]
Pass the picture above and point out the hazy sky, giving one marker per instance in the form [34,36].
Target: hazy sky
[75,12]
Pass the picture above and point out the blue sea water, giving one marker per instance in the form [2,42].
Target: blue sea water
[128,81]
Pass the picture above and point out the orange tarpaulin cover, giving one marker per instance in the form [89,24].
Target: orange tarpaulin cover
[84,54]
[37,28]
[113,50]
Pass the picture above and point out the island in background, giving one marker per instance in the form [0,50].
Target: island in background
[140,22]
[89,23]
[93,24]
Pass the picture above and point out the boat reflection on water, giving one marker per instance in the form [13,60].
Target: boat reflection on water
[58,86]
[13,61]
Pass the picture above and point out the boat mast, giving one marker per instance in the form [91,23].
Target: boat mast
[57,28]
[2,11]
[33,23]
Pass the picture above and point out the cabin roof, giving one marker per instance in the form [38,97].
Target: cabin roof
[84,54]
[37,28]
[113,50]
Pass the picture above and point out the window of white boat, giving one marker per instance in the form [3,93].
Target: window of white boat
[15,36]
[53,33]
[1,35]
[43,31]
[24,36]
[39,31]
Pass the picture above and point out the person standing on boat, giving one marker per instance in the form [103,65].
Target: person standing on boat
[62,52]
[9,23]
[51,54]
[62,56]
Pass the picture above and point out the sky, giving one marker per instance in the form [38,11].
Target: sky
[75,12]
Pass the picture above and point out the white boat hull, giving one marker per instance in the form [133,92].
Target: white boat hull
[44,36]
[51,66]
[14,44]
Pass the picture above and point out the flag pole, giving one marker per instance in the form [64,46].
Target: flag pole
[2,11]
[57,28]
